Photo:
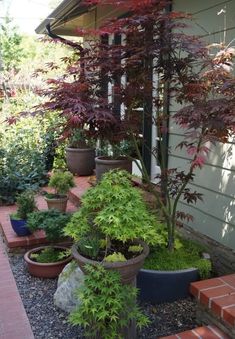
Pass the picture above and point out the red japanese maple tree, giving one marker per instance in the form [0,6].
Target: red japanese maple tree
[153,64]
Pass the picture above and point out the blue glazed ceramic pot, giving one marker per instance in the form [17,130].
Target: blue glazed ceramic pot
[20,227]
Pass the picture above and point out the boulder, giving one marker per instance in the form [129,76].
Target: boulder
[70,279]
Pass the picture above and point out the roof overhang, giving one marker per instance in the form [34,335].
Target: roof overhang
[72,14]
[61,20]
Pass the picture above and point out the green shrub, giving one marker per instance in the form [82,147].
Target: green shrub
[107,306]
[115,210]
[27,151]
[51,221]
[26,204]
[61,182]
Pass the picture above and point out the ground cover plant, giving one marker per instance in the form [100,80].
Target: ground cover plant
[50,255]
[187,254]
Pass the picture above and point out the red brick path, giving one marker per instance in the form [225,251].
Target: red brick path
[204,332]
[14,323]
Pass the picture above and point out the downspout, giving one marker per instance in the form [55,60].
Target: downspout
[63,40]
[71,44]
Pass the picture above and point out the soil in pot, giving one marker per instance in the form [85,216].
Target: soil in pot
[104,164]
[80,161]
[47,261]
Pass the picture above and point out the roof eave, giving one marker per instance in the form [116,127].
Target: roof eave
[60,14]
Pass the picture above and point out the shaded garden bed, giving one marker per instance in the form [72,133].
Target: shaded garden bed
[48,322]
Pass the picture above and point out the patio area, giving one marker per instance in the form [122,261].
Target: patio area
[215,296]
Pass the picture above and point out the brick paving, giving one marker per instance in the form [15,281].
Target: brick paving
[203,332]
[218,295]
[14,323]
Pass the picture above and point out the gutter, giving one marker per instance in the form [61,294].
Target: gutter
[66,11]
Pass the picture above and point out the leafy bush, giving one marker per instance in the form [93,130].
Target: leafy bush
[26,204]
[61,182]
[107,306]
[51,221]
[27,151]
[116,210]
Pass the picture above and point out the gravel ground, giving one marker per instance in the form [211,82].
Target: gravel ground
[48,322]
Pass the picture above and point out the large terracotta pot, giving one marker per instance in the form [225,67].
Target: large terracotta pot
[45,270]
[105,164]
[128,269]
[57,203]
[80,161]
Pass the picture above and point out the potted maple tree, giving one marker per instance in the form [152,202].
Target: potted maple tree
[113,226]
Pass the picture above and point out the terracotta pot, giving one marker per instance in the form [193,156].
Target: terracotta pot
[80,161]
[45,270]
[128,269]
[105,164]
[58,203]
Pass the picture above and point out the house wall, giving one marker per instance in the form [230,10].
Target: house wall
[215,217]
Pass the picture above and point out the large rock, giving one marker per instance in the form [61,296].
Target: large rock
[69,280]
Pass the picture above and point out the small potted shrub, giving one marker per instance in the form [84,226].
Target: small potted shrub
[48,261]
[80,154]
[113,226]
[25,204]
[61,182]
